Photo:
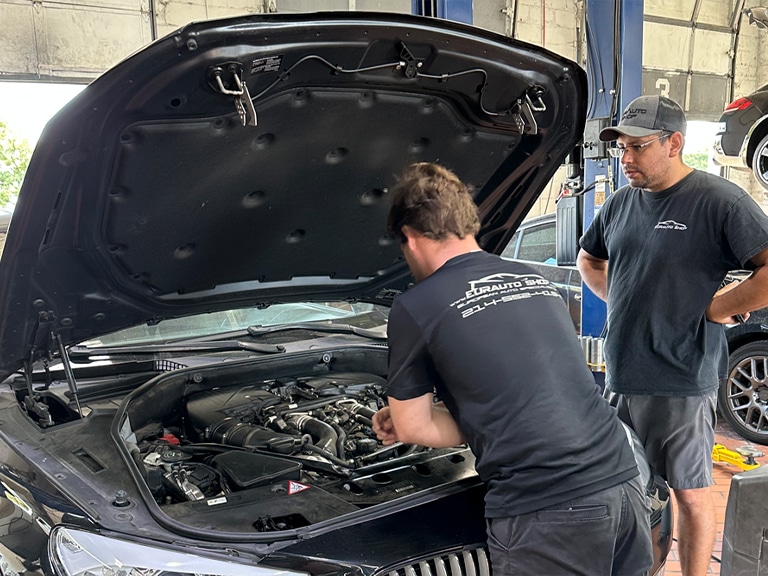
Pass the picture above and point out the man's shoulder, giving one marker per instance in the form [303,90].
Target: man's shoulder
[715,184]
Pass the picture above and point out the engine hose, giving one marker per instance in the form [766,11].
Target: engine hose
[326,454]
[340,450]
[392,447]
[323,435]
[364,420]
[232,432]
[360,409]
[362,413]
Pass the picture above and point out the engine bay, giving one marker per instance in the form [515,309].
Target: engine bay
[274,453]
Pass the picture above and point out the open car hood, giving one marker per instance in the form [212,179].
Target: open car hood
[246,161]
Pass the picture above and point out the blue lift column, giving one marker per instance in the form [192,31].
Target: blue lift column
[614,67]
[457,10]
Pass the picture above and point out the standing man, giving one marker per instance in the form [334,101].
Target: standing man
[657,252]
[496,343]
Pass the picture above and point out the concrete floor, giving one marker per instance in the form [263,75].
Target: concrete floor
[722,475]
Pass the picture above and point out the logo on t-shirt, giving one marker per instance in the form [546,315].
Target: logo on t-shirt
[670,225]
[502,288]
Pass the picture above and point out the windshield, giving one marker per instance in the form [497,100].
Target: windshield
[361,315]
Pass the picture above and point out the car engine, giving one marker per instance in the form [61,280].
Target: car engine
[274,445]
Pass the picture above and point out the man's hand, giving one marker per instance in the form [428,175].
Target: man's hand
[384,427]
[417,421]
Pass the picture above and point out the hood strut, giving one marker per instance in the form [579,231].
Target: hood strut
[68,371]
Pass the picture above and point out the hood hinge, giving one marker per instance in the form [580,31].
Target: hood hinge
[32,404]
[45,338]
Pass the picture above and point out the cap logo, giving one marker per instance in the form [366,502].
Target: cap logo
[632,112]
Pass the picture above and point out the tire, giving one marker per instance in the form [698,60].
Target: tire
[743,397]
[760,163]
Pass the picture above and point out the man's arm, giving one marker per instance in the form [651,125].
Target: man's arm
[417,421]
[594,273]
[746,296]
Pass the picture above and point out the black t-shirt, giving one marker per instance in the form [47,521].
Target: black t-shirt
[496,343]
[667,254]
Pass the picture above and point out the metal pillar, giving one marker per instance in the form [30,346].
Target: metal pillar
[457,10]
[614,31]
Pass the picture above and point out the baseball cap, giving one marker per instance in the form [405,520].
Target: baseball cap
[645,116]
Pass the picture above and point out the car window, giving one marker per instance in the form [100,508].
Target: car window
[213,323]
[538,244]
[510,250]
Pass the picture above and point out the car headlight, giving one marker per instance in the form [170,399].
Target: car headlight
[79,553]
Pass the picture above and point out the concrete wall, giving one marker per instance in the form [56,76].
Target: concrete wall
[67,39]
[74,41]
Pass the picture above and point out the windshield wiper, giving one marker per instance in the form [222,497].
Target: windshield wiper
[372,333]
[84,352]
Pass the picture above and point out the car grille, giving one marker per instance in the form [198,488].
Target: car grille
[466,563]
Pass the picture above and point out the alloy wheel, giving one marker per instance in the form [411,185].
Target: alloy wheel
[744,394]
[760,163]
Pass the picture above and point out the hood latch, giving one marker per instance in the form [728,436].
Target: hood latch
[409,62]
[530,102]
[228,79]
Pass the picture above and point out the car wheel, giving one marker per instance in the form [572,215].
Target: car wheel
[743,397]
[760,162]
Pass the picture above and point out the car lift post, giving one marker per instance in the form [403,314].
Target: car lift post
[457,10]
[614,30]
[614,53]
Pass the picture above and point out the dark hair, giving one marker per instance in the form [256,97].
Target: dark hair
[433,201]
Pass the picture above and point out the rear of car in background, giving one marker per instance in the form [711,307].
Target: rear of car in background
[741,141]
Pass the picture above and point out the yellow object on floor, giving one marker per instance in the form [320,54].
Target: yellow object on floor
[744,459]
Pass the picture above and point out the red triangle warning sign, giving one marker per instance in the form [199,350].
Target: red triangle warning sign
[296,487]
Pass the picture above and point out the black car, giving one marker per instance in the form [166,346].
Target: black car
[195,288]
[743,395]
[742,135]
[535,243]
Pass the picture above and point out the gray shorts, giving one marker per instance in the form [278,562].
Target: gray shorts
[678,433]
